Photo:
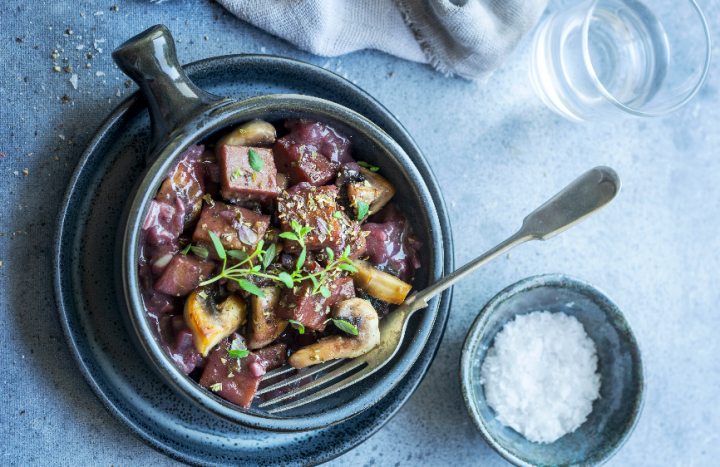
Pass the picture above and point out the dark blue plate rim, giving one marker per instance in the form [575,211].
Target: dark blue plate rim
[383,118]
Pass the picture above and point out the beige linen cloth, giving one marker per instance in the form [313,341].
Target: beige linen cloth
[467,38]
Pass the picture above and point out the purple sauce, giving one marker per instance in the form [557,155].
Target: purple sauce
[391,244]
[159,245]
[172,216]
[320,137]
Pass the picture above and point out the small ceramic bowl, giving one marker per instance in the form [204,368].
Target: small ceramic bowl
[182,115]
[614,414]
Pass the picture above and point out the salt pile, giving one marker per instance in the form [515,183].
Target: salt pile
[540,376]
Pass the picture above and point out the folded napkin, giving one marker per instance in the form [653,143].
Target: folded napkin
[468,38]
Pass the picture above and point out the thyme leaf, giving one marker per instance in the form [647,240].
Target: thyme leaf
[250,287]
[368,166]
[344,326]
[286,279]
[347,267]
[238,349]
[256,161]
[218,245]
[200,251]
[289,236]
[268,256]
[301,260]
[363,209]
[297,325]
[238,254]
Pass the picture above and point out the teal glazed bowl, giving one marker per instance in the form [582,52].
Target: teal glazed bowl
[622,389]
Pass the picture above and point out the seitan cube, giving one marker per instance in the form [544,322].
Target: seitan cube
[238,228]
[239,181]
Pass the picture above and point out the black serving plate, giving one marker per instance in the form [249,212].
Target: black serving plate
[89,308]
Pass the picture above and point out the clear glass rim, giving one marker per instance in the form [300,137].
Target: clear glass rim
[618,104]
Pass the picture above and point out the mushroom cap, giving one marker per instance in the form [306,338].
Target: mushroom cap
[355,311]
[209,324]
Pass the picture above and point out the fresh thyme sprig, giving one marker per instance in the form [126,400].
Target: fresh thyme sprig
[240,271]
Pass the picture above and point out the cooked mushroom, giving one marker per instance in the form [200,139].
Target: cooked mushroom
[360,314]
[379,284]
[375,191]
[257,133]
[184,185]
[210,324]
[263,326]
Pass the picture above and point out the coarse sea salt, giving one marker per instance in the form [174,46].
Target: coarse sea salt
[540,375]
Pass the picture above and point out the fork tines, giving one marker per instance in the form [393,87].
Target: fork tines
[326,378]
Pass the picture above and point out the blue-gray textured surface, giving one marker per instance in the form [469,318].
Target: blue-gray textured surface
[497,153]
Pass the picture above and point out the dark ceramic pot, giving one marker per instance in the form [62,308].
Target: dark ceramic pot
[183,115]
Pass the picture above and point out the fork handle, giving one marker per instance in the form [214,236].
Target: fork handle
[584,197]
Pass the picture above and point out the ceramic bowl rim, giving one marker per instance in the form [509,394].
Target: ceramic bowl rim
[478,328]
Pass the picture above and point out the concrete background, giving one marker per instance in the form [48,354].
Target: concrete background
[497,152]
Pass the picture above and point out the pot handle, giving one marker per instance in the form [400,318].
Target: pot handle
[151,61]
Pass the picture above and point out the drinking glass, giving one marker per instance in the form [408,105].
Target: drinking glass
[609,59]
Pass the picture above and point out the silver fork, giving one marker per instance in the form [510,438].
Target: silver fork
[582,198]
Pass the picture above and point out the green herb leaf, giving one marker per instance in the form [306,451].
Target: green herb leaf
[250,287]
[297,325]
[330,253]
[347,267]
[301,259]
[256,268]
[325,292]
[238,353]
[185,250]
[256,161]
[337,215]
[238,254]
[200,251]
[368,166]
[289,236]
[345,326]
[238,349]
[346,252]
[295,226]
[218,245]
[363,209]
[305,230]
[286,279]
[269,256]
[314,281]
